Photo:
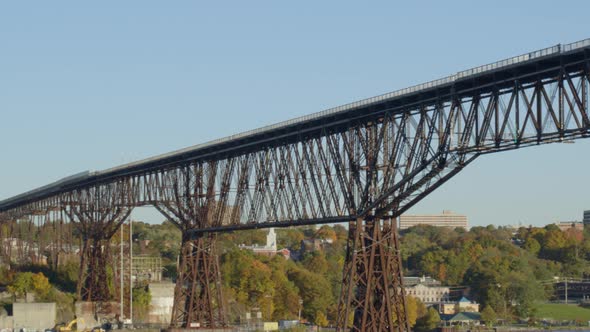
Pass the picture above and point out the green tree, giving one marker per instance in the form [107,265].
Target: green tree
[524,291]
[432,260]
[256,287]
[290,238]
[532,245]
[341,232]
[488,315]
[141,301]
[286,297]
[413,246]
[316,262]
[314,290]
[428,322]
[553,244]
[321,319]
[326,233]
[28,282]
[22,284]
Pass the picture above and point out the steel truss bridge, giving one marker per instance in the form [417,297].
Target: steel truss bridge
[364,163]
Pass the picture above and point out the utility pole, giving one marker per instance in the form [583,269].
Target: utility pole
[121,314]
[131,271]
[565,290]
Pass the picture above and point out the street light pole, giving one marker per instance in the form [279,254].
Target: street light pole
[565,290]
[121,314]
[131,271]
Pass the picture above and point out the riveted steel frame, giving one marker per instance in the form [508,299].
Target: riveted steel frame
[198,294]
[372,164]
[372,297]
[97,213]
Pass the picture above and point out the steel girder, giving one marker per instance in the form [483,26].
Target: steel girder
[376,165]
[373,166]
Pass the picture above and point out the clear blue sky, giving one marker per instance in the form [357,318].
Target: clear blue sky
[91,85]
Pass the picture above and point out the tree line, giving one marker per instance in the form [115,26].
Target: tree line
[505,269]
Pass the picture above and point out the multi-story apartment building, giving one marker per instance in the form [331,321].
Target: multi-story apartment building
[429,294]
[567,225]
[446,219]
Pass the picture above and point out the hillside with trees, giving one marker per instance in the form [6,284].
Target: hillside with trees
[506,271]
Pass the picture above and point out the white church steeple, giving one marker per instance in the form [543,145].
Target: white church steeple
[271,240]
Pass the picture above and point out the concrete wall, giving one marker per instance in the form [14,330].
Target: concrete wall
[38,316]
[86,312]
[6,323]
[160,310]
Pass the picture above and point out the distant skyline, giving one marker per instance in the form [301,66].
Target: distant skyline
[88,86]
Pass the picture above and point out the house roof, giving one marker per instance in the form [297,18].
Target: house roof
[466,316]
[464,300]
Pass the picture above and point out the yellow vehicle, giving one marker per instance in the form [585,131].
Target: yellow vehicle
[73,327]
[69,327]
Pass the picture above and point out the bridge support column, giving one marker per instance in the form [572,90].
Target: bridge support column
[5,235]
[372,297]
[92,277]
[97,227]
[198,300]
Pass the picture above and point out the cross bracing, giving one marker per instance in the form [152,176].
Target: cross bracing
[365,163]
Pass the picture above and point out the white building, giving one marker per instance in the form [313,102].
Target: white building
[271,240]
[429,294]
[463,305]
[446,219]
[270,249]
[567,225]
[424,280]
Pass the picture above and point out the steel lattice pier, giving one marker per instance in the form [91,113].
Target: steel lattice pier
[364,163]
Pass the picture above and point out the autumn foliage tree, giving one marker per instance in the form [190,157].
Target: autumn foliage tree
[27,282]
[414,309]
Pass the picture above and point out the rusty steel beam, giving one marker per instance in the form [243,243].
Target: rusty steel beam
[97,213]
[198,300]
[371,161]
[190,203]
[373,296]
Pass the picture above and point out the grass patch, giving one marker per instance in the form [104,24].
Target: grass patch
[558,311]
